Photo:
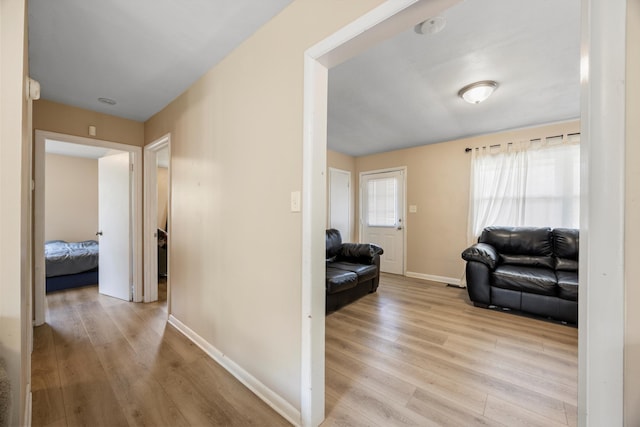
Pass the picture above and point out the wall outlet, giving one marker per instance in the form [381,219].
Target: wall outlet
[413,209]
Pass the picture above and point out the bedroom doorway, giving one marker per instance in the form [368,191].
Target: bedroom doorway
[90,149]
[157,218]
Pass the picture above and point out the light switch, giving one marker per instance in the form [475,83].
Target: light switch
[413,208]
[295,201]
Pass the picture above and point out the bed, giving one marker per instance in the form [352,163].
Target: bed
[70,264]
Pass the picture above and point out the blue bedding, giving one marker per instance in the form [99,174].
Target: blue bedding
[62,258]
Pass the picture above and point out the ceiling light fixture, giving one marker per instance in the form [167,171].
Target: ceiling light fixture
[477,92]
[107,101]
[431,26]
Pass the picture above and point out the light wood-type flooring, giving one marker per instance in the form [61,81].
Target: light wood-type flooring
[414,353]
[418,353]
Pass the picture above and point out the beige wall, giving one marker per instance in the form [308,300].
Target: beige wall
[15,250]
[347,163]
[55,117]
[71,198]
[632,223]
[236,141]
[438,184]
[163,197]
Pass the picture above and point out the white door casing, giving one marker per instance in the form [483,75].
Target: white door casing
[151,217]
[39,211]
[340,202]
[382,216]
[114,198]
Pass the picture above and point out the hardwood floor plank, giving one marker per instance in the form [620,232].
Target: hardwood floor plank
[48,404]
[423,378]
[514,415]
[377,407]
[446,412]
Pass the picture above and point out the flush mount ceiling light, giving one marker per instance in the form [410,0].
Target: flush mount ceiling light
[477,92]
[107,101]
[431,26]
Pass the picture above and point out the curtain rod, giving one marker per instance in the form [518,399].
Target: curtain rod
[466,150]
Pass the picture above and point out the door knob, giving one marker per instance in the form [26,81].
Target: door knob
[99,233]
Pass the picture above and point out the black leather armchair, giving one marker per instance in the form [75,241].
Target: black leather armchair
[534,270]
[353,270]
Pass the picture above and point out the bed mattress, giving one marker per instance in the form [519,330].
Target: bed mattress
[63,258]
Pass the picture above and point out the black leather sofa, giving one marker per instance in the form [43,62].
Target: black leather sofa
[353,270]
[534,270]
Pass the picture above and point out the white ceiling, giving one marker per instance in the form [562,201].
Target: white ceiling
[140,53]
[403,92]
[144,53]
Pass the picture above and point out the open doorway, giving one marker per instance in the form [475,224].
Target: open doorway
[157,202]
[118,228]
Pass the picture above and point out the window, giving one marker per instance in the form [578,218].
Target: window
[537,186]
[381,202]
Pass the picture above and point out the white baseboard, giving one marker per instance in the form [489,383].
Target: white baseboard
[271,398]
[433,278]
[28,407]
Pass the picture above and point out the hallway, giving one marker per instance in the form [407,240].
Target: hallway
[102,361]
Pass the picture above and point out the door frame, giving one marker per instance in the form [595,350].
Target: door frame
[601,353]
[332,170]
[41,137]
[151,217]
[403,213]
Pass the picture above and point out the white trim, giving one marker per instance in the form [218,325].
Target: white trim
[391,17]
[270,397]
[28,407]
[151,216]
[602,203]
[39,160]
[433,278]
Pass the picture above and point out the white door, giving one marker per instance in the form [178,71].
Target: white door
[114,197]
[382,216]
[340,202]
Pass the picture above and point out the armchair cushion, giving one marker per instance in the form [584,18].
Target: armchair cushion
[481,252]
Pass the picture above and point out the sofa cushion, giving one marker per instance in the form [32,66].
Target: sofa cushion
[568,285]
[535,280]
[364,272]
[566,244]
[340,280]
[521,245]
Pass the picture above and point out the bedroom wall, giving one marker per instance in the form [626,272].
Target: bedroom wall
[348,163]
[236,140]
[71,198]
[438,184]
[61,118]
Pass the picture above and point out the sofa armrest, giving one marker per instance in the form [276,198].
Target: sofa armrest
[481,252]
[361,253]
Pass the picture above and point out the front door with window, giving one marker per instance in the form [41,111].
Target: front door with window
[382,216]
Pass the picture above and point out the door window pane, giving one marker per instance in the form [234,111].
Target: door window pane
[382,202]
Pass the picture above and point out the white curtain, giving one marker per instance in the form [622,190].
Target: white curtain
[525,184]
